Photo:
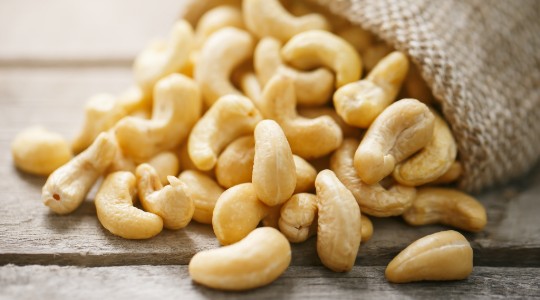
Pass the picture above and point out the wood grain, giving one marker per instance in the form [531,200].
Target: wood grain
[173,282]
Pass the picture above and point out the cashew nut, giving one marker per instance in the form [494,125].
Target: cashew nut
[432,161]
[172,202]
[308,138]
[223,51]
[314,112]
[314,48]
[192,11]
[373,199]
[445,255]
[274,172]
[399,131]
[298,220]
[164,57]
[250,86]
[215,19]
[115,210]
[305,175]
[238,211]
[453,173]
[313,88]
[367,228]
[446,206]
[67,187]
[204,191]
[165,164]
[255,261]
[235,163]
[229,118]
[38,151]
[339,226]
[177,106]
[187,164]
[360,102]
[269,18]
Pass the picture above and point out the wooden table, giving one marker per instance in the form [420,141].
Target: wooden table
[54,55]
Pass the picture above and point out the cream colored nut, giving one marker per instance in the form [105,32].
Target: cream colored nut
[67,187]
[339,225]
[367,228]
[172,202]
[235,163]
[453,174]
[223,51]
[308,138]
[360,102]
[446,206]
[373,199]
[164,57]
[314,48]
[38,151]
[269,18]
[298,220]
[237,213]
[305,175]
[445,255]
[432,161]
[250,86]
[135,100]
[313,88]
[229,118]
[177,106]
[165,164]
[399,131]
[416,87]
[115,210]
[359,38]
[373,54]
[101,113]
[204,191]
[215,19]
[315,112]
[255,261]
[187,164]
[274,172]
[193,10]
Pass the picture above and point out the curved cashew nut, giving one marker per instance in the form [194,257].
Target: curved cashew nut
[360,102]
[235,163]
[165,164]
[177,106]
[453,173]
[314,48]
[269,18]
[298,220]
[215,19]
[308,138]
[373,199]
[432,161]
[250,86]
[257,260]
[68,185]
[162,58]
[339,225]
[204,191]
[223,51]
[305,175]
[367,228]
[274,172]
[115,210]
[315,112]
[445,255]
[187,164]
[230,117]
[446,206]
[38,151]
[313,88]
[237,213]
[172,202]
[400,130]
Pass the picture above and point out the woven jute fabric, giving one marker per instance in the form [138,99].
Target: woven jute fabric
[481,59]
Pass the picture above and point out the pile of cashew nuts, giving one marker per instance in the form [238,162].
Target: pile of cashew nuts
[259,114]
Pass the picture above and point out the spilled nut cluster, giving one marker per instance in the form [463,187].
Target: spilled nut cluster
[224,125]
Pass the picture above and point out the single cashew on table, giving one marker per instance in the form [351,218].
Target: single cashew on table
[253,117]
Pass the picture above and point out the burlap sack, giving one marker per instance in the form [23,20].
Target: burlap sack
[482,60]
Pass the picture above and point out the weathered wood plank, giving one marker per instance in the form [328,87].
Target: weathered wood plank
[173,282]
[77,31]
[30,234]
